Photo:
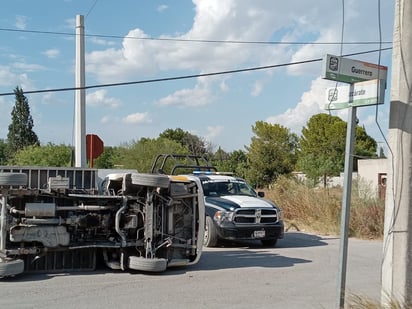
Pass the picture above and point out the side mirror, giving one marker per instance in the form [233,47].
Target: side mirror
[261,194]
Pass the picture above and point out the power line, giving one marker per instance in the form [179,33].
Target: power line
[91,8]
[188,76]
[195,40]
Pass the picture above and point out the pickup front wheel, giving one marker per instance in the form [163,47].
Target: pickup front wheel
[211,238]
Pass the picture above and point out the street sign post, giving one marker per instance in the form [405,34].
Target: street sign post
[365,93]
[351,71]
[367,87]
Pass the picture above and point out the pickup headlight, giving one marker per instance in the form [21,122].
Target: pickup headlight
[280,213]
[222,216]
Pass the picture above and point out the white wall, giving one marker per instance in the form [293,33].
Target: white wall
[369,170]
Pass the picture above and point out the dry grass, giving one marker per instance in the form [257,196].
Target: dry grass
[362,302]
[319,210]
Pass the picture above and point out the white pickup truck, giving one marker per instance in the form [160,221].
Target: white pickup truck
[235,211]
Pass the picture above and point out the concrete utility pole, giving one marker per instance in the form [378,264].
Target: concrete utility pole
[397,245]
[80,108]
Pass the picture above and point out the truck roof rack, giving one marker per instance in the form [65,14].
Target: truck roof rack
[173,162]
[198,172]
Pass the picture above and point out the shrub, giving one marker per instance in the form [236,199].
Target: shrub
[319,209]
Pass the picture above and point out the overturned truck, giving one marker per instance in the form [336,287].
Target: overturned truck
[61,220]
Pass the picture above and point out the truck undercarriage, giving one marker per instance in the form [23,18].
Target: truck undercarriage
[134,221]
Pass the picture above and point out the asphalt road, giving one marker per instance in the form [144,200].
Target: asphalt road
[301,272]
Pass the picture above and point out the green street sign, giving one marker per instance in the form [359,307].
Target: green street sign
[351,71]
[365,93]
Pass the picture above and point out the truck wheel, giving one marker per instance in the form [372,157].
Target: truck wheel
[210,239]
[151,180]
[269,242]
[149,265]
[11,268]
[13,179]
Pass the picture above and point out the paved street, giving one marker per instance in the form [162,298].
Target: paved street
[301,272]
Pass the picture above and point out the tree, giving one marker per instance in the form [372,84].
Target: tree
[239,161]
[3,152]
[322,147]
[21,132]
[220,159]
[141,154]
[193,143]
[365,146]
[108,158]
[381,153]
[272,152]
[48,155]
[235,162]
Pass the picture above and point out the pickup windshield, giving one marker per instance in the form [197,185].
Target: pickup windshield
[227,187]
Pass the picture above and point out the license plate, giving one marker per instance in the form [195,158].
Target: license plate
[259,234]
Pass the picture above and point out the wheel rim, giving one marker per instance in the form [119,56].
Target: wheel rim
[206,236]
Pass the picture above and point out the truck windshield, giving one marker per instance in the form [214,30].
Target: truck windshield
[221,188]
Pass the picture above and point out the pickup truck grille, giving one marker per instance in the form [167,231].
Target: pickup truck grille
[255,216]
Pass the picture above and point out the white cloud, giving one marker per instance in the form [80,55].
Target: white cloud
[109,119]
[21,22]
[28,67]
[70,23]
[136,57]
[228,20]
[51,98]
[200,95]
[215,20]
[51,53]
[213,132]
[162,7]
[310,104]
[5,118]
[9,78]
[309,52]
[100,98]
[100,41]
[137,118]
[257,89]
[223,86]
[374,119]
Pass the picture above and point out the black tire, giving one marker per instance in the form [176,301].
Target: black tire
[11,268]
[210,238]
[149,265]
[151,180]
[269,242]
[13,179]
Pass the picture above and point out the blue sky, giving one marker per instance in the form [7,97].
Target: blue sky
[220,109]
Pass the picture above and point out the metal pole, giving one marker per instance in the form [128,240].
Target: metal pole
[397,244]
[346,200]
[80,105]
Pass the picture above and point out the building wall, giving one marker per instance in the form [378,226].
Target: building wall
[372,173]
[371,178]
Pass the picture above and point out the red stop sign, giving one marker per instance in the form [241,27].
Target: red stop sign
[94,146]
